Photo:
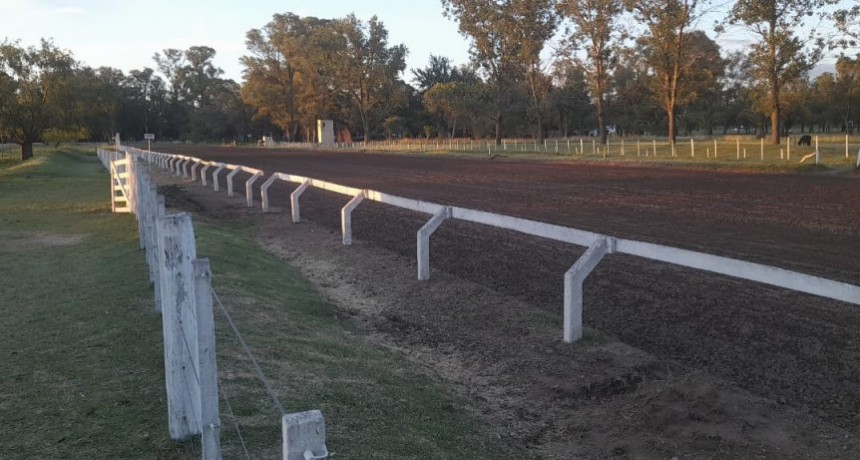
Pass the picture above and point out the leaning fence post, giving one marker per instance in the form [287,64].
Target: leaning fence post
[423,244]
[215,176]
[230,181]
[207,370]
[304,436]
[176,238]
[346,217]
[573,281]
[294,201]
[249,189]
[264,191]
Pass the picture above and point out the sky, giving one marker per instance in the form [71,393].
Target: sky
[125,34]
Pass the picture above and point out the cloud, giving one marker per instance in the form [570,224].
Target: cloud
[68,10]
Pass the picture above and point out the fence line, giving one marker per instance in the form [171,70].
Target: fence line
[183,296]
[598,246]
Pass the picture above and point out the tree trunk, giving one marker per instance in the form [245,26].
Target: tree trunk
[774,126]
[601,121]
[26,151]
[499,130]
[670,116]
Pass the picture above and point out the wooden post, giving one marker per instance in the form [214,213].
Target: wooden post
[159,254]
[738,145]
[654,145]
[715,149]
[692,148]
[761,142]
[207,370]
[176,238]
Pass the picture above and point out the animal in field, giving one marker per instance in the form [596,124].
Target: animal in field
[805,140]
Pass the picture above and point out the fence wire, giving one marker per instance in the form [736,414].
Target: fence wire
[260,374]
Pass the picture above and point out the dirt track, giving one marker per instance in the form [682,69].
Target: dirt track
[795,349]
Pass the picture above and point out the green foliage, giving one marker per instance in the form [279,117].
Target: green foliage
[301,69]
[36,92]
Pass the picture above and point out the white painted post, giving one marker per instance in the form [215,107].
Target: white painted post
[858,159]
[423,238]
[249,189]
[573,281]
[207,370]
[715,149]
[581,147]
[264,191]
[692,148]
[738,145]
[846,146]
[203,173]
[194,166]
[294,201]
[230,181]
[304,436]
[788,149]
[346,217]
[817,152]
[638,148]
[761,142]
[593,147]
[654,145]
[179,325]
[215,176]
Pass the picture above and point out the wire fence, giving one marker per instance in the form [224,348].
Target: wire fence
[183,296]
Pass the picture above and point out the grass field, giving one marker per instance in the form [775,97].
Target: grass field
[84,376]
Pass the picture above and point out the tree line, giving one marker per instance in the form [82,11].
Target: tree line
[537,68]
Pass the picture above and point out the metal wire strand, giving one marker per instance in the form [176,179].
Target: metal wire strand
[260,374]
[233,416]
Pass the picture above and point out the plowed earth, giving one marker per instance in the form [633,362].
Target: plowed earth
[799,353]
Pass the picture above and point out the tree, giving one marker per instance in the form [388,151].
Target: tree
[438,70]
[367,70]
[35,94]
[597,31]
[507,38]
[671,51]
[781,54]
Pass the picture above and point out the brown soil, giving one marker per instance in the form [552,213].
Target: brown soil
[490,317]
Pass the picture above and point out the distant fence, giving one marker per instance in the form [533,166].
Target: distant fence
[183,296]
[598,245]
[730,147]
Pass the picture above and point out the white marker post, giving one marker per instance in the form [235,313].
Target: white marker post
[149,138]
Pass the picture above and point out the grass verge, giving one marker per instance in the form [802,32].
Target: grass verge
[83,373]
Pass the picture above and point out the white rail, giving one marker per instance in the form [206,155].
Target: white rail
[599,245]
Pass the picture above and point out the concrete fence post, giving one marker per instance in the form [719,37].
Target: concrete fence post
[249,189]
[346,217]
[423,244]
[203,173]
[304,436]
[179,325]
[573,281]
[194,165]
[230,177]
[294,201]
[215,176]
[207,370]
[264,191]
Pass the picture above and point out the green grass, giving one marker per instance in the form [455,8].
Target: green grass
[376,403]
[82,369]
[82,373]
